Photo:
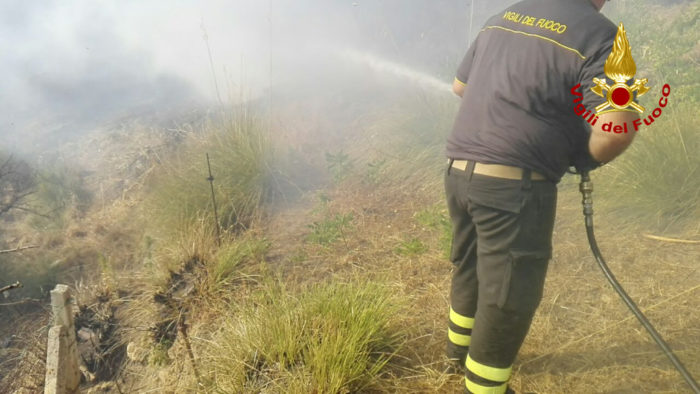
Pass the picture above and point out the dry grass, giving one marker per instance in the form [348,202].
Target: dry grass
[583,339]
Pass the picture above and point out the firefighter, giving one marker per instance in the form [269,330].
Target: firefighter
[514,137]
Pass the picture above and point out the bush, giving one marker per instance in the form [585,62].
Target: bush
[17,183]
[332,338]
[37,276]
[179,193]
[60,193]
[657,181]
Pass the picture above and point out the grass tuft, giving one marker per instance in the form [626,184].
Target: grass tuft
[332,338]
[412,247]
[179,194]
[231,257]
[330,229]
[657,181]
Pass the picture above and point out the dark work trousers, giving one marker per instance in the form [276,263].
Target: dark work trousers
[502,243]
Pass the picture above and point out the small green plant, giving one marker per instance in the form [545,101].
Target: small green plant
[299,256]
[330,229]
[374,171]
[159,353]
[412,247]
[435,218]
[339,165]
[324,199]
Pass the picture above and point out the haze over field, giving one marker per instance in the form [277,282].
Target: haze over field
[74,65]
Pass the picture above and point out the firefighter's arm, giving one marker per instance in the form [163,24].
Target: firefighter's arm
[604,146]
[458,87]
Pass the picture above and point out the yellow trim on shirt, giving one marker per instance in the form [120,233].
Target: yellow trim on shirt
[538,36]
[463,83]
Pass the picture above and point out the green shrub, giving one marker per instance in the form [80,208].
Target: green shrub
[332,338]
[59,189]
[37,275]
[178,193]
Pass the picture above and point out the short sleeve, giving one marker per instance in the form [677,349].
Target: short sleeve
[594,68]
[466,65]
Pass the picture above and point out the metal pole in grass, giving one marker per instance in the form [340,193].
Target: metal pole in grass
[213,200]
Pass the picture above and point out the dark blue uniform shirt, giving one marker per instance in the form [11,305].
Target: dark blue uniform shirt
[517,107]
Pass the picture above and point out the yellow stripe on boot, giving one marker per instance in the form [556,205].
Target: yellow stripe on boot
[486,372]
[459,339]
[461,320]
[479,389]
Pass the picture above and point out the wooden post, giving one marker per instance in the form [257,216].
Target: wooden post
[62,372]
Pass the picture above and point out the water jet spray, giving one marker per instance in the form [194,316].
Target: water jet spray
[399,70]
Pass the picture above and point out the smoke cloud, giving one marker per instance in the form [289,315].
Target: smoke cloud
[71,65]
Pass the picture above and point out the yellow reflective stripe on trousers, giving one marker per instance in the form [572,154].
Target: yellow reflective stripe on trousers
[459,339]
[486,372]
[460,320]
[479,389]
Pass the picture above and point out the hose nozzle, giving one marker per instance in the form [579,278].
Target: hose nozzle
[586,188]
